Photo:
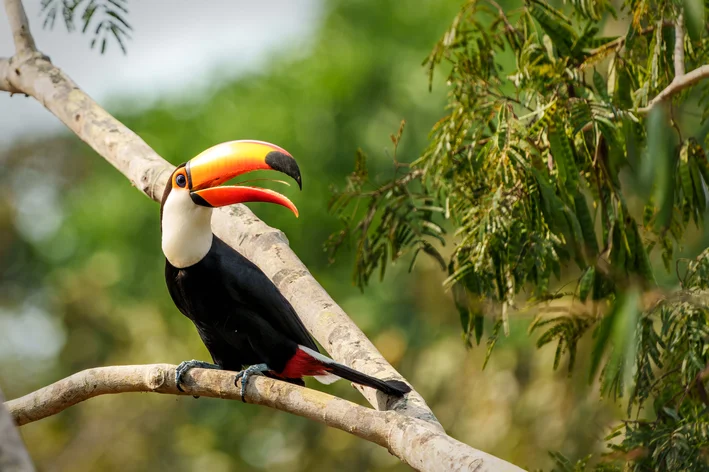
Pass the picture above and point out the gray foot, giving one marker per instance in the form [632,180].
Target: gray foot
[187,365]
[246,373]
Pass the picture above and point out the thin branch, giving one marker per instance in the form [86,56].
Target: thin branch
[413,441]
[267,247]
[678,54]
[13,455]
[677,85]
[24,42]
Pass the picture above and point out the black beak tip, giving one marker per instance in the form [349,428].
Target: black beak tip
[284,163]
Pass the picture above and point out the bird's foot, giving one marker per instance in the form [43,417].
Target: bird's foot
[184,366]
[246,373]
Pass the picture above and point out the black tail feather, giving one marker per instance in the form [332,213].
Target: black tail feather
[396,388]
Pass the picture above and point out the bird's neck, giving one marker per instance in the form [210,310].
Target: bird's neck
[186,231]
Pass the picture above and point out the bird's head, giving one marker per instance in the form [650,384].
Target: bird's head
[194,189]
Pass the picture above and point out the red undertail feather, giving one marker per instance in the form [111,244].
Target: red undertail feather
[307,362]
[303,364]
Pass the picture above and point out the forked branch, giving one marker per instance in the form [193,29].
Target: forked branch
[677,85]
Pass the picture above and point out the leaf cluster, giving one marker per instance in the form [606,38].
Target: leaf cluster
[554,168]
[104,19]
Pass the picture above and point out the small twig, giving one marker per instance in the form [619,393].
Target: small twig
[679,278]
[504,18]
[663,377]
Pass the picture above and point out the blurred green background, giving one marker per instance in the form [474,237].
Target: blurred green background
[81,272]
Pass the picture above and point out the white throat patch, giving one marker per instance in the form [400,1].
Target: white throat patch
[186,229]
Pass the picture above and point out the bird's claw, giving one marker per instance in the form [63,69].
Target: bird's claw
[245,374]
[184,366]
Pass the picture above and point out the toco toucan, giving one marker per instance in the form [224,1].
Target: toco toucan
[241,316]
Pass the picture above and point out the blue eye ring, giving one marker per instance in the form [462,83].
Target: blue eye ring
[181,180]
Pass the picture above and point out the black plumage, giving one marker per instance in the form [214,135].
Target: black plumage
[241,316]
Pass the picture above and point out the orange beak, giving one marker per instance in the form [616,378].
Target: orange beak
[227,160]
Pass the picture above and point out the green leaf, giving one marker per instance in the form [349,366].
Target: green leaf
[702,162]
[601,337]
[694,18]
[700,198]
[632,137]
[672,413]
[586,222]
[625,333]
[685,174]
[579,114]
[586,283]
[618,253]
[563,154]
[462,303]
[656,170]
[624,86]
[554,24]
[478,327]
[600,85]
[492,340]
[642,261]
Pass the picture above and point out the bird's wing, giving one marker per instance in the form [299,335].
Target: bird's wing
[252,288]
[231,353]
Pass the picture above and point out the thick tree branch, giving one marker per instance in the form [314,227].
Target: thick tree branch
[265,246]
[411,440]
[13,455]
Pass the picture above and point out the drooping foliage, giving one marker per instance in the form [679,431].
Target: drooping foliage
[565,187]
[105,20]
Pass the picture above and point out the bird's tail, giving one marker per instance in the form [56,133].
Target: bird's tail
[396,388]
[332,371]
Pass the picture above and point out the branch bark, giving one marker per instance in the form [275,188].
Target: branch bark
[681,80]
[407,427]
[13,455]
[21,34]
[411,440]
[5,84]
[678,54]
[677,85]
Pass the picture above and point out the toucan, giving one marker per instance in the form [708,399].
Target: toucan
[241,316]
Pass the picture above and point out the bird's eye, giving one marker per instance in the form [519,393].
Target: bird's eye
[181,180]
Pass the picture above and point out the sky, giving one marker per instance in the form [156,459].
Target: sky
[174,51]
